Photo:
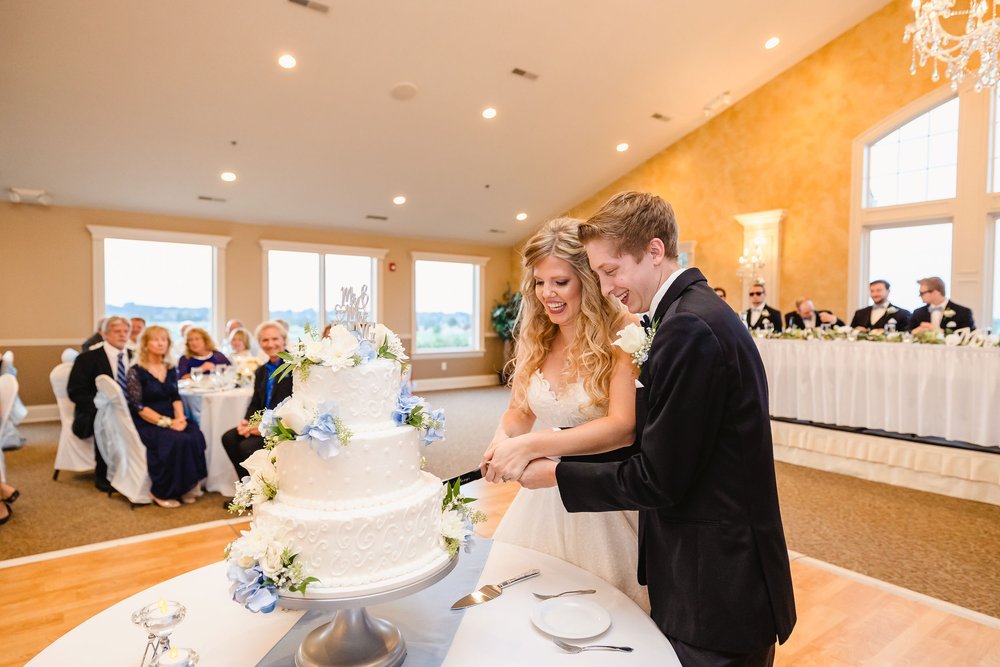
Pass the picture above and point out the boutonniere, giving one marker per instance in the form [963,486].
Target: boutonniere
[951,325]
[949,313]
[635,341]
[892,309]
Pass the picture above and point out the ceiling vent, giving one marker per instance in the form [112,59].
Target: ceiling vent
[29,196]
[660,116]
[219,200]
[376,217]
[494,230]
[530,76]
[312,4]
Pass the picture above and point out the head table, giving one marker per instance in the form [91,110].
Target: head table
[927,390]
[498,632]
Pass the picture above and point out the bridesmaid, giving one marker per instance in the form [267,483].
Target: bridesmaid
[175,449]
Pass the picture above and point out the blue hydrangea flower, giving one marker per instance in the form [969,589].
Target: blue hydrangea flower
[407,402]
[322,433]
[248,588]
[366,351]
[435,426]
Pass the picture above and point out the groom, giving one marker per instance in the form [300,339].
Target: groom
[711,546]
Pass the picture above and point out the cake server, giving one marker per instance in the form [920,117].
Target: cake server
[490,591]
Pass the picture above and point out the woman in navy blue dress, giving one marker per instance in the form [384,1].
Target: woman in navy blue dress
[175,449]
[199,352]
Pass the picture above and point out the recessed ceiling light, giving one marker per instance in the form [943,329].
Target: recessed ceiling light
[521,216]
[399,200]
[622,147]
[228,176]
[287,61]
[489,113]
[771,43]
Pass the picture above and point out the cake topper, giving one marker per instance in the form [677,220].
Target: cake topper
[353,311]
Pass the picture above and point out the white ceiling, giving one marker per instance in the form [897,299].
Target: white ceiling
[132,104]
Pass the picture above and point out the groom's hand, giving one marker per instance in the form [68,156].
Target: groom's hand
[540,474]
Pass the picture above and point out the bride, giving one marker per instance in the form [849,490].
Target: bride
[567,374]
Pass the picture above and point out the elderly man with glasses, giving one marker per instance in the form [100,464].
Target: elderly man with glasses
[939,312]
[760,315]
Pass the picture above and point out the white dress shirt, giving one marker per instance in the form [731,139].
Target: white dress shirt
[937,314]
[660,293]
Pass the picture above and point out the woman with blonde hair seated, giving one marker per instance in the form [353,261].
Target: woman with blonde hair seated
[199,352]
[241,344]
[175,449]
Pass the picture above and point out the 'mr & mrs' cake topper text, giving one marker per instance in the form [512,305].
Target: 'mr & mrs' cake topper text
[353,311]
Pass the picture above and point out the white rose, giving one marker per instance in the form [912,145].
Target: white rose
[245,561]
[313,350]
[631,338]
[342,345]
[270,564]
[453,525]
[294,415]
[380,333]
[259,463]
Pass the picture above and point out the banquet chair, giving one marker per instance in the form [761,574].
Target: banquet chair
[8,392]
[73,454]
[69,355]
[120,444]
[10,437]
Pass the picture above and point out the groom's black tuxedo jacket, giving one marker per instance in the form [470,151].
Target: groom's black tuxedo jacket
[711,546]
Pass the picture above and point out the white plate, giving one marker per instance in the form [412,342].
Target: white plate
[571,618]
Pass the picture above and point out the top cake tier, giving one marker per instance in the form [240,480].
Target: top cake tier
[366,395]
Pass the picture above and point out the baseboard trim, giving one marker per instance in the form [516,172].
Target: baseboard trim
[458,382]
[48,412]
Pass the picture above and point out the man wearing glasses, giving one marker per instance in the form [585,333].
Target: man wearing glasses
[939,312]
[760,315]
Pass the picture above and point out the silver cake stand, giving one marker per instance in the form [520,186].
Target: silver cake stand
[353,638]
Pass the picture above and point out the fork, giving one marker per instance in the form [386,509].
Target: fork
[587,591]
[573,648]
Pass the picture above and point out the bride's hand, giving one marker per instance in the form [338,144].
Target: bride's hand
[509,459]
[484,467]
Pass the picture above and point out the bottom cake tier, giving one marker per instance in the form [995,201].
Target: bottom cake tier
[364,551]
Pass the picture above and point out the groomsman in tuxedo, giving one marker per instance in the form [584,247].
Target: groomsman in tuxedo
[109,358]
[881,312]
[759,314]
[711,546]
[805,316]
[939,312]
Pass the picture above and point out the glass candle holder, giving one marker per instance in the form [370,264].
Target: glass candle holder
[176,657]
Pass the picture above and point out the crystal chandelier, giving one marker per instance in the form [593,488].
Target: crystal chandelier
[752,260]
[932,40]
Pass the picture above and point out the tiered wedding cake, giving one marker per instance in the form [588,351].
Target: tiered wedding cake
[340,504]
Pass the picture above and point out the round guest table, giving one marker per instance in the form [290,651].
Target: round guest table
[498,632]
[216,412]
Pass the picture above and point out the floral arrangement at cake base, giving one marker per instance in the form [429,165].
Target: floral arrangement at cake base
[260,566]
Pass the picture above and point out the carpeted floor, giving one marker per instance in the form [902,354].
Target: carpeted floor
[940,546]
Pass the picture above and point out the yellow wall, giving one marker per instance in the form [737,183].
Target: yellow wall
[47,292]
[788,146]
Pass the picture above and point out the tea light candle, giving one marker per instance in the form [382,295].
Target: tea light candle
[177,657]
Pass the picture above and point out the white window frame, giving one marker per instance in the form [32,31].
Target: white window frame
[479,290]
[99,233]
[378,254]
[970,212]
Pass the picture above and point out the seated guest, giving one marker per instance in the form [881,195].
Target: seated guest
[326,330]
[881,312]
[233,325]
[8,494]
[138,324]
[939,312]
[243,441]
[175,449]
[199,352]
[96,338]
[721,291]
[109,358]
[239,343]
[759,315]
[806,316]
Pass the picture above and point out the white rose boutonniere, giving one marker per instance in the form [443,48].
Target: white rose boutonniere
[892,309]
[949,313]
[635,342]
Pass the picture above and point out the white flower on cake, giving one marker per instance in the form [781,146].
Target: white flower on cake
[260,464]
[343,348]
[293,414]
[388,343]
[454,526]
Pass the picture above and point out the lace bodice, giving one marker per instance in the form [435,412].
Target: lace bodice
[565,410]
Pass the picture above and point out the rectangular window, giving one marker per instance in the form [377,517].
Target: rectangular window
[306,282]
[995,326]
[447,303]
[163,282]
[904,255]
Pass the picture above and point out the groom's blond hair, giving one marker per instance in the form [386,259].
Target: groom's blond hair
[631,220]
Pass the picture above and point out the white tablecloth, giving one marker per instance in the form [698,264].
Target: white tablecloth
[217,412]
[927,390]
[496,633]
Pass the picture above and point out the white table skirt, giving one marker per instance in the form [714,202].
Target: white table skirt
[927,390]
[217,412]
[496,633]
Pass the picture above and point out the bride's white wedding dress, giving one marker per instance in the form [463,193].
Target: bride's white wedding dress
[605,543]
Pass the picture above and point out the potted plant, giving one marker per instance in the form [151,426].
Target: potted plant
[504,320]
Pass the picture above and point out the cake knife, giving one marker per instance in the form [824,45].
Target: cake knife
[490,591]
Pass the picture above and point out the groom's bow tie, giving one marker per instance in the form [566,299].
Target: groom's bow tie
[646,322]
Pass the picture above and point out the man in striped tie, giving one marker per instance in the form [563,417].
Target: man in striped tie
[110,358]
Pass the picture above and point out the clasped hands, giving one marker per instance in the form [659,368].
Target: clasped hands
[511,459]
[244,429]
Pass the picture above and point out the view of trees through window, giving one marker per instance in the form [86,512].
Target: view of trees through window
[447,296]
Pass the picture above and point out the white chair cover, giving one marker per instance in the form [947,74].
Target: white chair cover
[120,444]
[8,392]
[69,355]
[73,453]
[10,437]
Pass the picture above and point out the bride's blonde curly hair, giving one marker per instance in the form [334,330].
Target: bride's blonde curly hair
[590,355]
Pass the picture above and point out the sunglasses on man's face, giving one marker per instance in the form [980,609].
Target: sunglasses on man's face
[756,294]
